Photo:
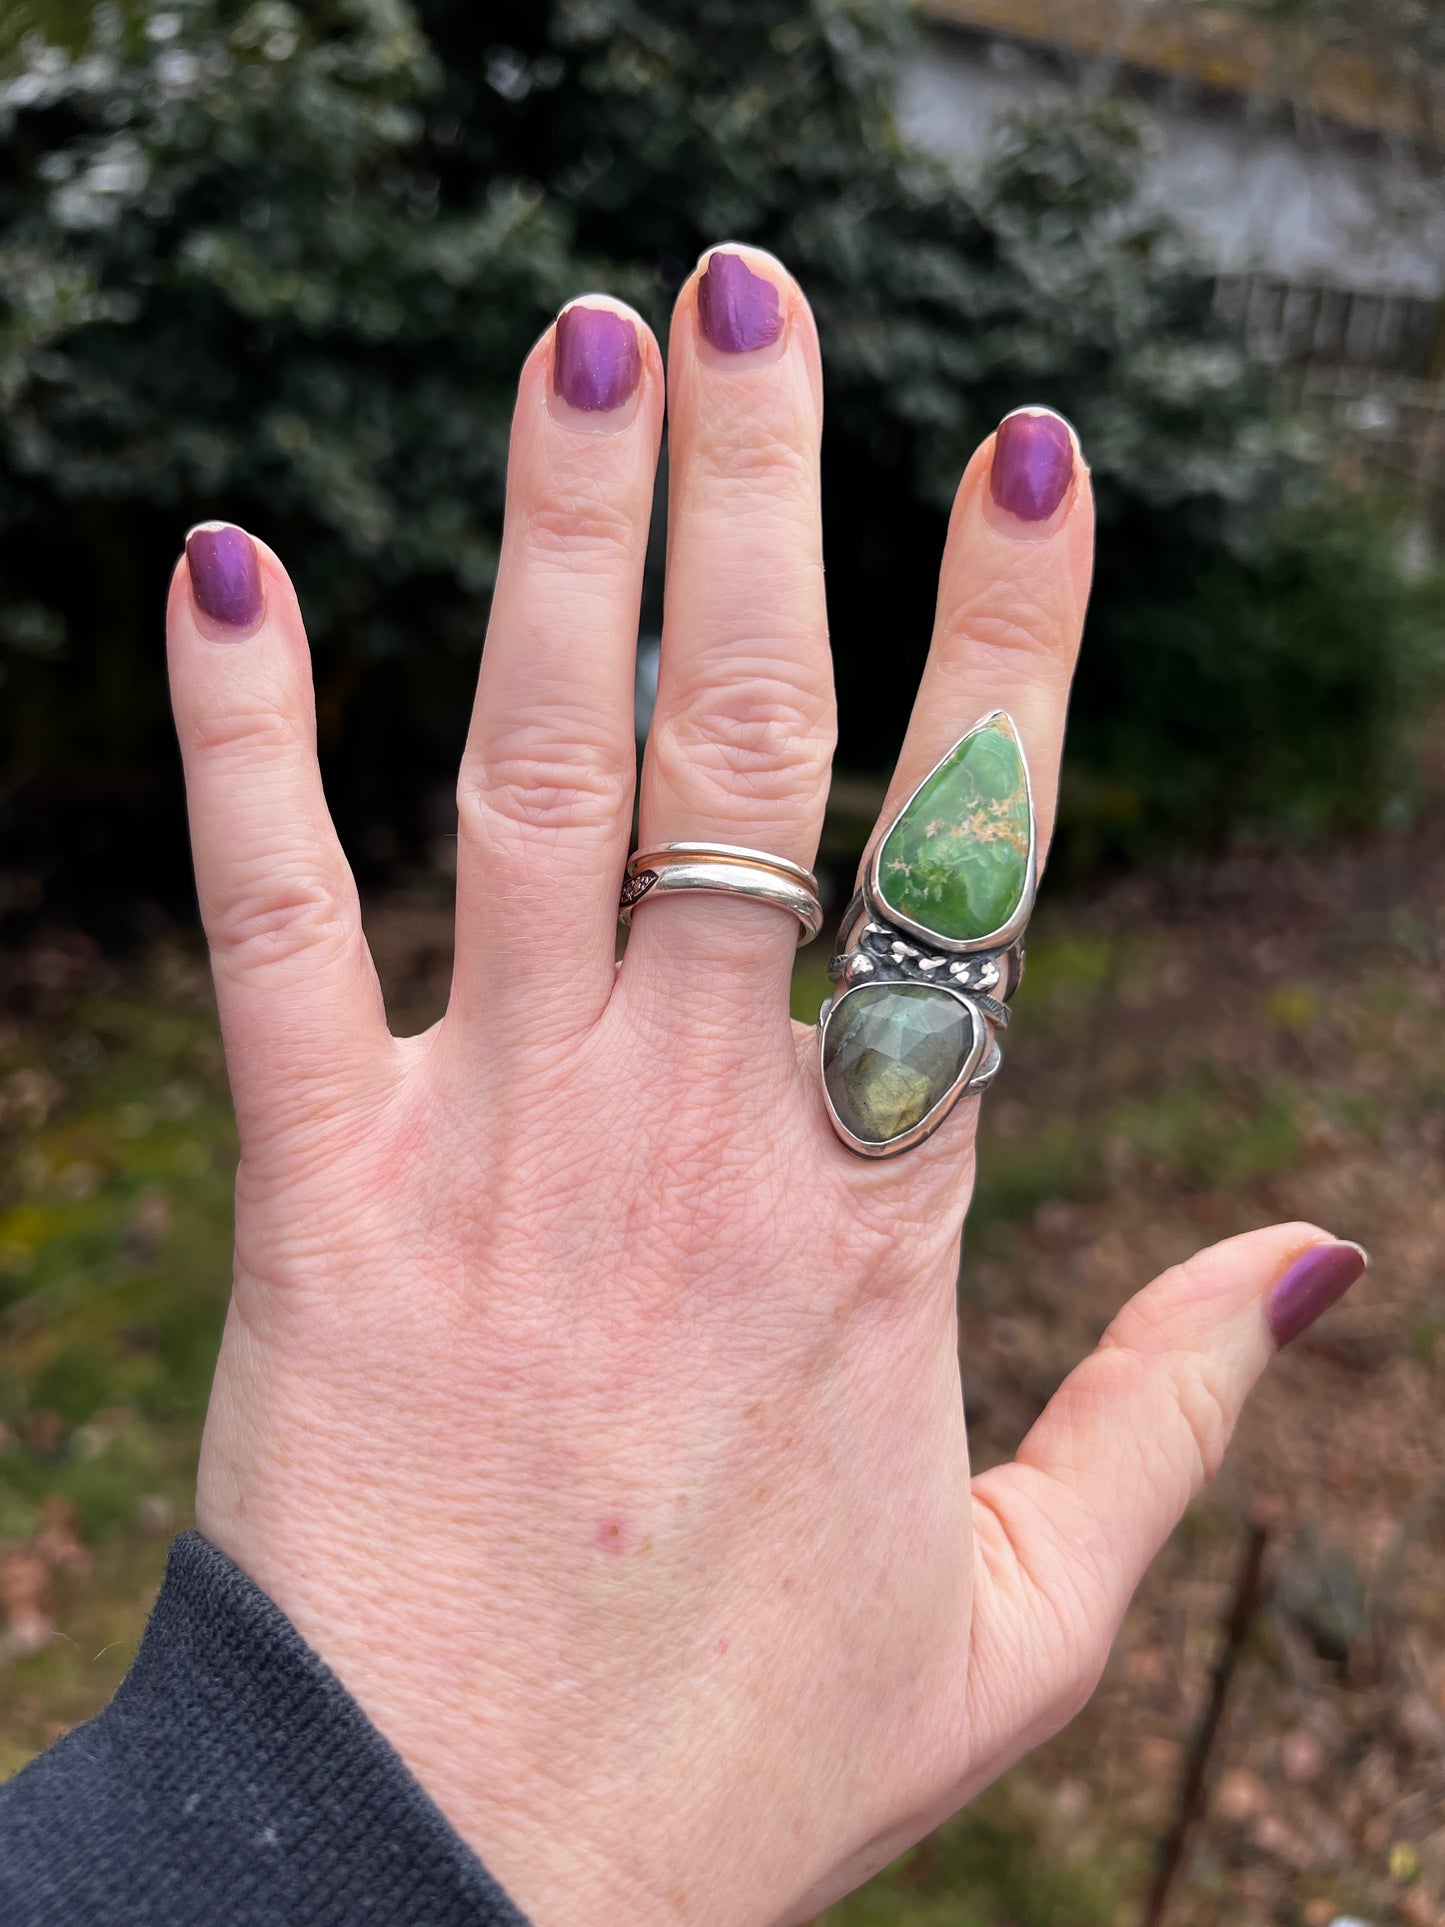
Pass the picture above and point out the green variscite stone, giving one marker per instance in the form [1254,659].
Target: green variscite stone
[957,860]
[890,1052]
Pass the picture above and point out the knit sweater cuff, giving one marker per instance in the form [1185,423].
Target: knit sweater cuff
[232,1778]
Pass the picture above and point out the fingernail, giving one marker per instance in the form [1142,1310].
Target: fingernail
[596,360]
[737,309]
[1311,1285]
[1033,463]
[225,574]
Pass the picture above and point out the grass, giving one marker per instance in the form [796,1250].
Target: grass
[114,1259]
[114,1270]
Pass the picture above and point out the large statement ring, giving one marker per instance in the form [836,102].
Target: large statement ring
[931,948]
[723,869]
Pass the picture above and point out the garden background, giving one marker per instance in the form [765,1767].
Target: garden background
[280,264]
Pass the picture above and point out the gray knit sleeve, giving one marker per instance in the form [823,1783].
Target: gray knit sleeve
[231,1780]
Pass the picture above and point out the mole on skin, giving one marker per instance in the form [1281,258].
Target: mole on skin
[611,1533]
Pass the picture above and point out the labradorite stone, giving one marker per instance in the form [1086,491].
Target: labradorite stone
[890,1052]
[956,861]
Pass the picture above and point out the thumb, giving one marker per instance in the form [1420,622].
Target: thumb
[1065,1533]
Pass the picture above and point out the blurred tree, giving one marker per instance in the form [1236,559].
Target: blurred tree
[281,265]
[65,23]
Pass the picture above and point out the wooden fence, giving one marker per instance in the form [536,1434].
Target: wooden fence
[1372,366]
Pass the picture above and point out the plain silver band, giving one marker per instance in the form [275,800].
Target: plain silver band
[737,852]
[728,870]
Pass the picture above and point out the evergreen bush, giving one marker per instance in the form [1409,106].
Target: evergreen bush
[281,264]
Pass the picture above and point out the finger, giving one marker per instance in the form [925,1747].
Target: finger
[545,792]
[299,1001]
[1011,600]
[1065,1532]
[742,732]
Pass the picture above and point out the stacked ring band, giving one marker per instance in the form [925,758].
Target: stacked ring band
[931,948]
[723,869]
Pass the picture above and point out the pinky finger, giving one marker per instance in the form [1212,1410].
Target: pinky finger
[300,1006]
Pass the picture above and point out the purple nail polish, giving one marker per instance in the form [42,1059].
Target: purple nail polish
[1310,1286]
[225,573]
[596,360]
[736,308]
[1033,464]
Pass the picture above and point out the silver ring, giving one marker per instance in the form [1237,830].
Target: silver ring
[727,870]
[931,948]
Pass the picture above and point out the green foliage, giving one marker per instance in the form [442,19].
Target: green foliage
[62,23]
[281,265]
[1256,686]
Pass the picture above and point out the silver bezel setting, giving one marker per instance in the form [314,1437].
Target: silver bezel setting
[929,1123]
[1017,923]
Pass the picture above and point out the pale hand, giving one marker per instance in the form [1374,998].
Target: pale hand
[584,1402]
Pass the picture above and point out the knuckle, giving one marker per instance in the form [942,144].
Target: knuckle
[1145,1338]
[260,731]
[1019,625]
[1070,1614]
[542,785]
[771,460]
[268,923]
[763,743]
[1143,1323]
[587,524]
[1082,1614]
[1207,1412]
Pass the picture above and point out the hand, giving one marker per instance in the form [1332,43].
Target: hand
[584,1402]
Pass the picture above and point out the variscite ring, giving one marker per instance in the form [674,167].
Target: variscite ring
[931,948]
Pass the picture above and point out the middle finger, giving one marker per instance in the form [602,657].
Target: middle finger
[742,733]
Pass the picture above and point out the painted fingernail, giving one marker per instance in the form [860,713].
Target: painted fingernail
[596,360]
[225,574]
[1033,463]
[737,309]
[1311,1285]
